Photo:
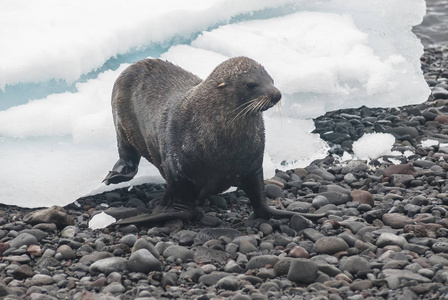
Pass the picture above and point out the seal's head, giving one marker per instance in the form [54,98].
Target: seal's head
[247,84]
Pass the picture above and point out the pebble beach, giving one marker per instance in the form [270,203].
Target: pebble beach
[384,233]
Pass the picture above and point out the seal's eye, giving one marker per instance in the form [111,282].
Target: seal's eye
[251,85]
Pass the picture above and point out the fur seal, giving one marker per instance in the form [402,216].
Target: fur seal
[203,136]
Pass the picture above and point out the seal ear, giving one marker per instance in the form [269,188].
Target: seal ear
[221,85]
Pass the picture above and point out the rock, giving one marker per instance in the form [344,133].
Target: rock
[228,283]
[336,198]
[312,234]
[212,278]
[402,179]
[215,233]
[178,252]
[261,261]
[23,239]
[302,271]
[54,214]
[361,285]
[299,223]
[143,261]
[69,231]
[247,247]
[66,252]
[96,256]
[207,254]
[298,252]
[274,191]
[354,264]
[396,220]
[440,247]
[266,228]
[363,197]
[405,274]
[128,239]
[109,264]
[330,245]
[387,238]
[320,201]
[34,250]
[23,272]
[324,174]
[400,169]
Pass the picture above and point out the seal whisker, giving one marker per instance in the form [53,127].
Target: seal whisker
[242,112]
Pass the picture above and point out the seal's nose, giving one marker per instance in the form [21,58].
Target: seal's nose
[276,96]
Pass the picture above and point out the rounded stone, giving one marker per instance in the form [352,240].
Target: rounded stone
[363,197]
[128,239]
[331,245]
[143,261]
[387,238]
[274,191]
[302,271]
[298,252]
[261,261]
[23,239]
[228,283]
[66,252]
[266,228]
[110,264]
[178,252]
[354,264]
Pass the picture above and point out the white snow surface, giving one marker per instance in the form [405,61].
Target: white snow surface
[323,55]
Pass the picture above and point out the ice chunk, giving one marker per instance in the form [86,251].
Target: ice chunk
[373,145]
[101,220]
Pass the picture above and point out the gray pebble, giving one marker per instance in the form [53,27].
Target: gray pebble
[386,239]
[178,252]
[331,245]
[354,264]
[23,239]
[111,263]
[128,239]
[228,283]
[302,270]
[143,261]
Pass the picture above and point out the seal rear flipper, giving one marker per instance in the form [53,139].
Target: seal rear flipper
[161,214]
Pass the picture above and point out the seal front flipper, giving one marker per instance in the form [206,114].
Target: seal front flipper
[253,185]
[122,171]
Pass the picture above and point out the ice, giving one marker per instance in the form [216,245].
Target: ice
[373,145]
[101,220]
[323,55]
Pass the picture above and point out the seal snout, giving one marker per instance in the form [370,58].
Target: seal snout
[275,96]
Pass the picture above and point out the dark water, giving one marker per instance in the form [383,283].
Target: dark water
[434,28]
